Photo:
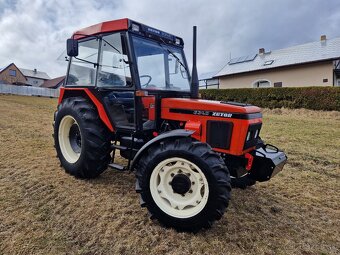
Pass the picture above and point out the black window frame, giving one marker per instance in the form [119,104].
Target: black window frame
[99,37]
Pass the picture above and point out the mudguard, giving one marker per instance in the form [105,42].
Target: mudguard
[101,111]
[170,134]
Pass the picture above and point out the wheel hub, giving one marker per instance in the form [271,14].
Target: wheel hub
[181,184]
[75,138]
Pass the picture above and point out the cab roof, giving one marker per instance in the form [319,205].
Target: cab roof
[103,27]
[127,24]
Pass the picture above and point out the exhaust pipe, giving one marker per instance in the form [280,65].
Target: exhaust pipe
[194,77]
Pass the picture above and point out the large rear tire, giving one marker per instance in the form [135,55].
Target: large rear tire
[184,184]
[81,140]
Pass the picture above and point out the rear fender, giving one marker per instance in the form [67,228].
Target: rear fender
[171,134]
[71,92]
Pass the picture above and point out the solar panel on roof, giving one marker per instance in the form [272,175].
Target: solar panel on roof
[251,57]
[242,59]
[233,61]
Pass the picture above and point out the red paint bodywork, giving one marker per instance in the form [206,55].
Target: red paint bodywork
[194,126]
[198,123]
[240,126]
[104,27]
[101,111]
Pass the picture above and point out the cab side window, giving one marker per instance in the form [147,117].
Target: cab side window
[83,69]
[113,70]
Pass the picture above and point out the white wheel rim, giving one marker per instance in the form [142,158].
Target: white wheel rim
[64,139]
[174,204]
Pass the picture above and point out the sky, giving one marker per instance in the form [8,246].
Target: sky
[33,33]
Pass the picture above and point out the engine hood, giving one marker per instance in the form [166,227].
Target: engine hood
[209,105]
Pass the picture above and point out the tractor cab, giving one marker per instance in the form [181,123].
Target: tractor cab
[126,63]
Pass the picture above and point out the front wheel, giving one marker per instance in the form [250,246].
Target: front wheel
[184,184]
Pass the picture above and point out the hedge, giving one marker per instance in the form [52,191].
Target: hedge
[314,98]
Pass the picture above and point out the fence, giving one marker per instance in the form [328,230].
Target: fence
[209,84]
[28,91]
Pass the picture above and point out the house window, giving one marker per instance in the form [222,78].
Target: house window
[268,62]
[261,84]
[325,80]
[13,72]
[278,84]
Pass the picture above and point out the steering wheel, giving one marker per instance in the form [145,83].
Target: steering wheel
[149,79]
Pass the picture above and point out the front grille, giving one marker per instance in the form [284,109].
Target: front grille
[219,134]
[253,134]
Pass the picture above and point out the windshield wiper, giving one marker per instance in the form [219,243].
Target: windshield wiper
[172,54]
[126,62]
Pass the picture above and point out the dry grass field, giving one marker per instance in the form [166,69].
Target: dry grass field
[45,211]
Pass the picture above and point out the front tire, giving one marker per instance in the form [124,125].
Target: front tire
[81,140]
[184,184]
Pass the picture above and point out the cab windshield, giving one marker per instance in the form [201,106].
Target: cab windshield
[160,66]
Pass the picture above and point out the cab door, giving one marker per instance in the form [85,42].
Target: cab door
[114,81]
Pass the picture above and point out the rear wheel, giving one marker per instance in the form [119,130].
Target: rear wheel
[184,184]
[81,139]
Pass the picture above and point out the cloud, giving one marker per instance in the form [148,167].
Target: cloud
[33,32]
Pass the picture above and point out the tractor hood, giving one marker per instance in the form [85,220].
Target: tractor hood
[207,107]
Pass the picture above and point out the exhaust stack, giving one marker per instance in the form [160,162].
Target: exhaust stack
[194,77]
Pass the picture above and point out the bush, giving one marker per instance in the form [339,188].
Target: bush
[314,98]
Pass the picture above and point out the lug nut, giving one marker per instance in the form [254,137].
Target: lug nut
[169,183]
[179,171]
[193,183]
[188,174]
[172,174]
[183,195]
[190,191]
[159,191]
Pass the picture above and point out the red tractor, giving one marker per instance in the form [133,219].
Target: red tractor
[128,89]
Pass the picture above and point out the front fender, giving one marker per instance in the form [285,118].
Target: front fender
[170,134]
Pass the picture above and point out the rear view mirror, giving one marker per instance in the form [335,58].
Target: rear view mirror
[72,47]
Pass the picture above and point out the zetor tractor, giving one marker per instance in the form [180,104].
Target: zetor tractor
[128,90]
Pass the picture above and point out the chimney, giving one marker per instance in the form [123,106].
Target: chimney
[323,38]
[261,51]
[35,70]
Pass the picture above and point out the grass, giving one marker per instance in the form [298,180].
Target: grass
[45,211]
